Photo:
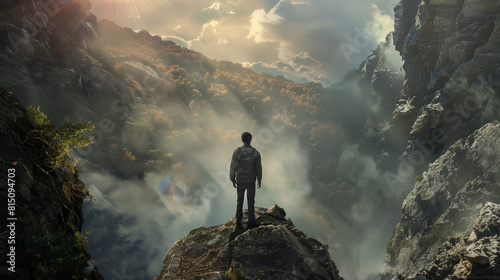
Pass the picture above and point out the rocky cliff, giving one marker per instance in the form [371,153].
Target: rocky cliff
[274,250]
[476,256]
[444,204]
[41,233]
[451,79]
[442,116]
[51,54]
[451,59]
[437,131]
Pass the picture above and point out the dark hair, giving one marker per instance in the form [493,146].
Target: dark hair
[246,137]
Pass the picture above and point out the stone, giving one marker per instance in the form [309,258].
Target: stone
[276,211]
[477,258]
[488,221]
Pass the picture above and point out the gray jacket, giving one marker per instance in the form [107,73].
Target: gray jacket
[257,171]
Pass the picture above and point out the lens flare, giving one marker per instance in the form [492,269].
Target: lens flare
[169,189]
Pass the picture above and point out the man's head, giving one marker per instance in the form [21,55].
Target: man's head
[246,137]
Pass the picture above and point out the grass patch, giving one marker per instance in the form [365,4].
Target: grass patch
[403,243]
[235,272]
[419,178]
[90,58]
[436,232]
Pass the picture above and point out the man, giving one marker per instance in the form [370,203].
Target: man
[245,170]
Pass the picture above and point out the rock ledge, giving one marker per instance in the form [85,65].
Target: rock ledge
[274,250]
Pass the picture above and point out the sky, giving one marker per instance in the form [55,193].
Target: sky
[304,40]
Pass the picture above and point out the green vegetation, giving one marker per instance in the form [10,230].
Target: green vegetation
[55,250]
[81,239]
[418,177]
[89,57]
[435,233]
[57,140]
[235,272]
[48,147]
[399,240]
[495,122]
[403,243]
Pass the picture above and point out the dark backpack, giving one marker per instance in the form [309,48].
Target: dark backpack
[244,171]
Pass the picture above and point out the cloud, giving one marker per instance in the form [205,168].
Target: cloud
[256,28]
[304,59]
[298,40]
[300,67]
[381,25]
[252,31]
[208,33]
[214,6]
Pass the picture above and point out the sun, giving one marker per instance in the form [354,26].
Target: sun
[120,10]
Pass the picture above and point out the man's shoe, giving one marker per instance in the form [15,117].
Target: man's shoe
[253,225]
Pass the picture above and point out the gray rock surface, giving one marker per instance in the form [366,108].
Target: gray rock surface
[445,203]
[476,256]
[51,55]
[452,75]
[274,250]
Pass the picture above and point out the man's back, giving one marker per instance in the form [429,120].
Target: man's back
[246,165]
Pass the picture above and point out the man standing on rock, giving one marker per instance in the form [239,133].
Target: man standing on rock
[245,169]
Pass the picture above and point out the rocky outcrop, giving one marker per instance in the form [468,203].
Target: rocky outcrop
[365,98]
[45,240]
[51,55]
[475,256]
[444,203]
[451,55]
[274,250]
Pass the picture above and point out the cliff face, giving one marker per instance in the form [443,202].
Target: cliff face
[474,256]
[44,239]
[450,51]
[450,94]
[437,127]
[51,55]
[451,78]
[274,250]
[444,203]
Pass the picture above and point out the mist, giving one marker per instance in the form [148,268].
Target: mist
[152,211]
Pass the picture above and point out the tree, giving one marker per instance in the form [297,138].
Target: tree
[56,141]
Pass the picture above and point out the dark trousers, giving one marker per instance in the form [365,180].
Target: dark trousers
[250,188]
